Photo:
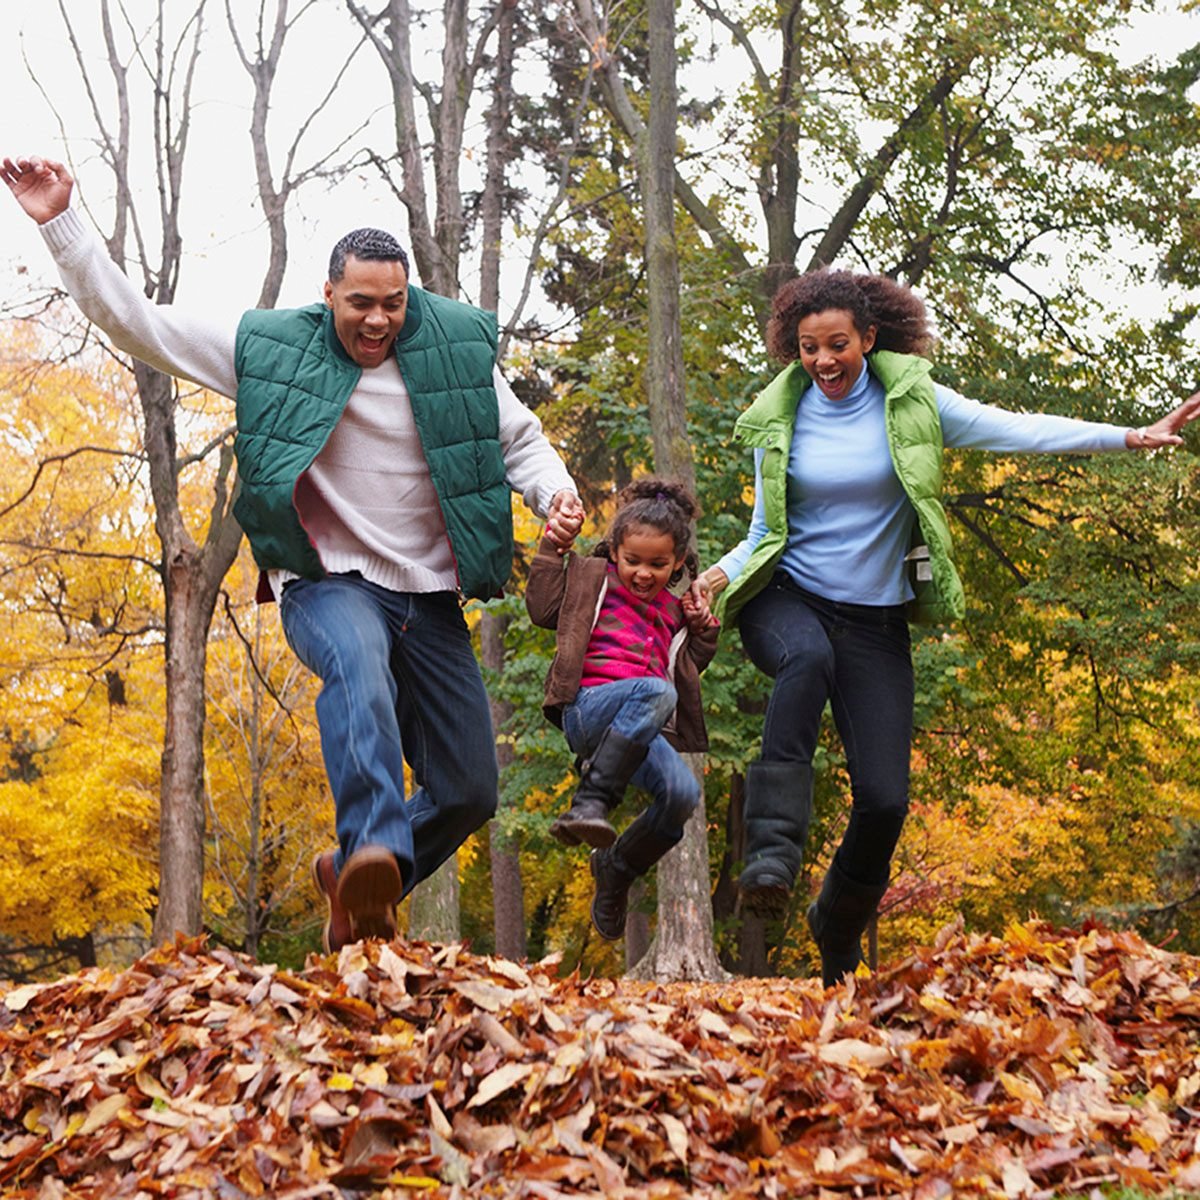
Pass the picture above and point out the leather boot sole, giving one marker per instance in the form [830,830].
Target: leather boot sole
[769,900]
[368,889]
[586,831]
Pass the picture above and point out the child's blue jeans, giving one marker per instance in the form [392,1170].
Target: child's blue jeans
[638,709]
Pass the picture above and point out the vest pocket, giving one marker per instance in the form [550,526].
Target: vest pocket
[920,568]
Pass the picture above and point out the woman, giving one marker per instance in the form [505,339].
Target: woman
[847,542]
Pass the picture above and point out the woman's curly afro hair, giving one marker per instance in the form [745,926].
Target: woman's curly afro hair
[896,312]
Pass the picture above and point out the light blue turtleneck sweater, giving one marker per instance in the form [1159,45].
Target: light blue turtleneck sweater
[849,521]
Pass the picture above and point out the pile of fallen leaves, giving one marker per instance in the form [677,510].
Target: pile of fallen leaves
[1034,1064]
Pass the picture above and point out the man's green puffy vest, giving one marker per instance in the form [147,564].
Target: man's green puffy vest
[914,433]
[294,379]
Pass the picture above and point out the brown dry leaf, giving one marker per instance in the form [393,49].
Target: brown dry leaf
[677,1136]
[102,1113]
[498,1082]
[854,1052]
[19,998]
[1019,1089]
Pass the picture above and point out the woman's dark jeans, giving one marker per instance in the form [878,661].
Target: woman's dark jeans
[858,658]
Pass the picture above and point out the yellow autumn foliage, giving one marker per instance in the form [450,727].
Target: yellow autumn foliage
[81,678]
[77,842]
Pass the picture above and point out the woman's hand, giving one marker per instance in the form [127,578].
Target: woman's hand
[710,584]
[1165,431]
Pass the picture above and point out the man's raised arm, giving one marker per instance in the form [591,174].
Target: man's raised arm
[187,346]
[42,188]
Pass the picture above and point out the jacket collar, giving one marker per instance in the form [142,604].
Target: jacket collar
[768,422]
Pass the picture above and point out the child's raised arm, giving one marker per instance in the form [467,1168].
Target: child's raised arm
[697,611]
[547,583]
[702,626]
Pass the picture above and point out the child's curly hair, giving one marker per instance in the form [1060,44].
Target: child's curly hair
[897,312]
[659,504]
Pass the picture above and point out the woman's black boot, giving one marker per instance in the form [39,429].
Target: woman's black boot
[776,813]
[837,918]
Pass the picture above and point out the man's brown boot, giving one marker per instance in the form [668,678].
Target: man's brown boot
[337,932]
[369,888]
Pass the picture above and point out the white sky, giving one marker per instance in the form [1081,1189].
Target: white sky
[224,237]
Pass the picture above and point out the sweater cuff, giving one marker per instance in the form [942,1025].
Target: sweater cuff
[539,497]
[59,232]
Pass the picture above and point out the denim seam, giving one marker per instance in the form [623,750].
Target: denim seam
[316,629]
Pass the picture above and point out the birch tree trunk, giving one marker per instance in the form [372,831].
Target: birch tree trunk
[508,891]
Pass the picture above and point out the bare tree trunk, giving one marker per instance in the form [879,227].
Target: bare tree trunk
[253,689]
[395,50]
[779,168]
[508,889]
[434,912]
[436,241]
[437,244]
[191,572]
[255,913]
[749,955]
[682,947]
[508,896]
[637,926]
[191,575]
[683,942]
[275,189]
[191,581]
[499,156]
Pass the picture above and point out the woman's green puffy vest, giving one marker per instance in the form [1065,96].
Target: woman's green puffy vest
[914,433]
[294,379]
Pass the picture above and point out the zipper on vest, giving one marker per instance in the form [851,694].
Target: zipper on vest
[458,589]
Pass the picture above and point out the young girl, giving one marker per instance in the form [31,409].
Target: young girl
[624,685]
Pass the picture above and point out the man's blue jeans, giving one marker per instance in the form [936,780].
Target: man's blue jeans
[400,681]
[638,709]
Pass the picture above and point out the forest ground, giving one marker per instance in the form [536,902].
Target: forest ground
[1038,1063]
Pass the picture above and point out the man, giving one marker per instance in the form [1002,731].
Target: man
[377,445]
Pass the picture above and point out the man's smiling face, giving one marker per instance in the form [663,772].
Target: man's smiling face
[369,303]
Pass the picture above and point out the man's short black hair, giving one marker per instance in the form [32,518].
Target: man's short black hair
[367,245]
